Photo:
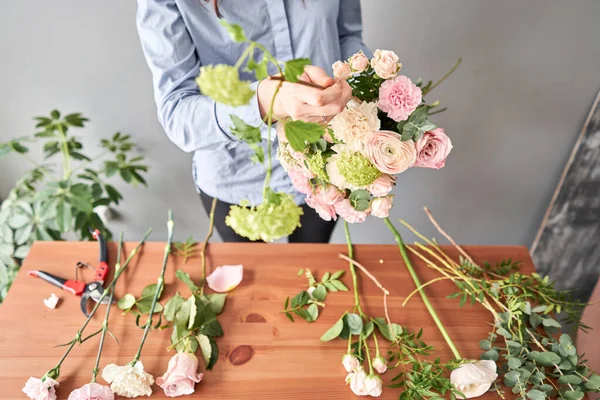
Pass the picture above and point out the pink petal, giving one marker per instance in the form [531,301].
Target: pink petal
[225,278]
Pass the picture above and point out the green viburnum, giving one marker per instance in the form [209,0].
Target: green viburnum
[316,163]
[222,84]
[356,168]
[268,221]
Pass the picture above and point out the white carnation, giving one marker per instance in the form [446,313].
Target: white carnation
[354,124]
[128,380]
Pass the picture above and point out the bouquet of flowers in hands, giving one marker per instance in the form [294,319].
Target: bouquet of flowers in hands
[349,166]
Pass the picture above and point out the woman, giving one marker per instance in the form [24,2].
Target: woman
[178,36]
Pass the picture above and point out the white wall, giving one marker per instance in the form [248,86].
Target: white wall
[530,72]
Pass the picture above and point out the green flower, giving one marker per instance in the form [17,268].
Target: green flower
[222,84]
[316,163]
[267,221]
[357,169]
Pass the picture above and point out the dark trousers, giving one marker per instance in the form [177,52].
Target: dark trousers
[313,230]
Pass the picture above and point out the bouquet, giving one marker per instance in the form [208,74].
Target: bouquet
[383,131]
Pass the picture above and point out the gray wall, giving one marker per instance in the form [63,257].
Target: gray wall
[530,72]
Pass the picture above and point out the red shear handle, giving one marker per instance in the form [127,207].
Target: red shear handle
[74,287]
[102,268]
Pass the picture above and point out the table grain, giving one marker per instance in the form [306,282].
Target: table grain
[287,360]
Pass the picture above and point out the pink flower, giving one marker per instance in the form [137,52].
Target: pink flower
[345,210]
[341,70]
[328,195]
[36,389]
[399,97]
[389,153]
[299,181]
[380,207]
[379,364]
[382,185]
[325,211]
[358,62]
[225,278]
[181,376]
[432,149]
[92,391]
[385,63]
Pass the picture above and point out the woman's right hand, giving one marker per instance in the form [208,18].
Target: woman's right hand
[301,102]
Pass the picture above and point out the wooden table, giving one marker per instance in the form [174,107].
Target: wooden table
[287,359]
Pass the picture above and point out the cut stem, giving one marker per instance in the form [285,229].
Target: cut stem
[159,285]
[211,225]
[417,282]
[352,270]
[269,168]
[363,269]
[447,236]
[443,78]
[303,83]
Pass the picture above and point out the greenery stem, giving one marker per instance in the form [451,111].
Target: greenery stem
[349,343]
[159,285]
[111,297]
[443,78]
[65,153]
[269,125]
[352,269]
[417,282]
[211,224]
[367,355]
[118,273]
[377,354]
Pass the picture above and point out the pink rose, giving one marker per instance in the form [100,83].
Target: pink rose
[36,389]
[385,63]
[381,206]
[299,181]
[382,185]
[389,153]
[92,391]
[181,375]
[328,195]
[399,97]
[358,62]
[325,211]
[345,210]
[432,149]
[341,70]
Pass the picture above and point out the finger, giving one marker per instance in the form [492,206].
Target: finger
[315,97]
[318,76]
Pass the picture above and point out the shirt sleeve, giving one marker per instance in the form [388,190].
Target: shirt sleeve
[191,121]
[350,29]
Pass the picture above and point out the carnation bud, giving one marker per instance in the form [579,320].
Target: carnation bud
[379,364]
[350,362]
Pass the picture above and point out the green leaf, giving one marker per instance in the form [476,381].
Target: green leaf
[514,363]
[294,68]
[313,310]
[205,347]
[197,313]
[185,278]
[545,358]
[538,309]
[334,331]
[245,132]
[214,354]
[339,285]
[22,252]
[182,316]
[535,320]
[385,330]
[126,302]
[490,355]
[171,307]
[64,218]
[573,395]
[83,204]
[409,131]
[593,382]
[300,132]
[368,328]
[550,322]
[355,323]
[569,379]
[236,32]
[55,114]
[485,344]
[320,293]
[23,235]
[535,394]
[360,199]
[504,332]
[150,290]
[212,327]
[113,194]
[145,303]
[419,116]
[216,302]
[337,275]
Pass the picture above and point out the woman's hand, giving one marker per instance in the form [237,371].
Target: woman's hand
[302,102]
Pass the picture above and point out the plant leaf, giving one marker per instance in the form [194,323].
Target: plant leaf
[355,323]
[294,68]
[205,348]
[126,302]
[334,331]
[300,132]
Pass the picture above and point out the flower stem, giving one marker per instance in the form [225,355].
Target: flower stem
[111,297]
[211,224]
[367,355]
[377,354]
[269,125]
[352,269]
[443,78]
[349,343]
[118,273]
[159,285]
[417,282]
[65,152]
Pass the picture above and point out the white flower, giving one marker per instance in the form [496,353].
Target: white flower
[341,70]
[373,385]
[128,380]
[356,380]
[379,364]
[333,172]
[385,63]
[354,123]
[37,389]
[51,301]
[475,378]
[350,362]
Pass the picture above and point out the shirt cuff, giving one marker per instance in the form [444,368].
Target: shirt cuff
[249,113]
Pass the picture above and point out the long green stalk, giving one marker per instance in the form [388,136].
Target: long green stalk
[353,270]
[65,152]
[211,225]
[417,282]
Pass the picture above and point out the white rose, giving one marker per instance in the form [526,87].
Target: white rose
[356,380]
[358,62]
[373,385]
[341,70]
[474,379]
[385,63]
[379,364]
[350,362]
[128,380]
[381,206]
[355,123]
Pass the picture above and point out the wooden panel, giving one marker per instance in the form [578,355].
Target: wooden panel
[566,247]
[288,360]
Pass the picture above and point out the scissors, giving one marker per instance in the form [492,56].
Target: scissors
[91,290]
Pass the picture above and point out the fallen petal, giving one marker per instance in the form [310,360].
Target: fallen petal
[225,278]
[51,301]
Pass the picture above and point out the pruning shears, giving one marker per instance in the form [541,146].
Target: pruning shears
[92,290]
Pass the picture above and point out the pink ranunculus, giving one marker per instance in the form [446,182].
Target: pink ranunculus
[385,63]
[358,62]
[181,376]
[399,97]
[382,185]
[433,149]
[328,195]
[36,389]
[92,391]
[345,210]
[341,70]
[299,181]
[389,153]
[381,206]
[325,211]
